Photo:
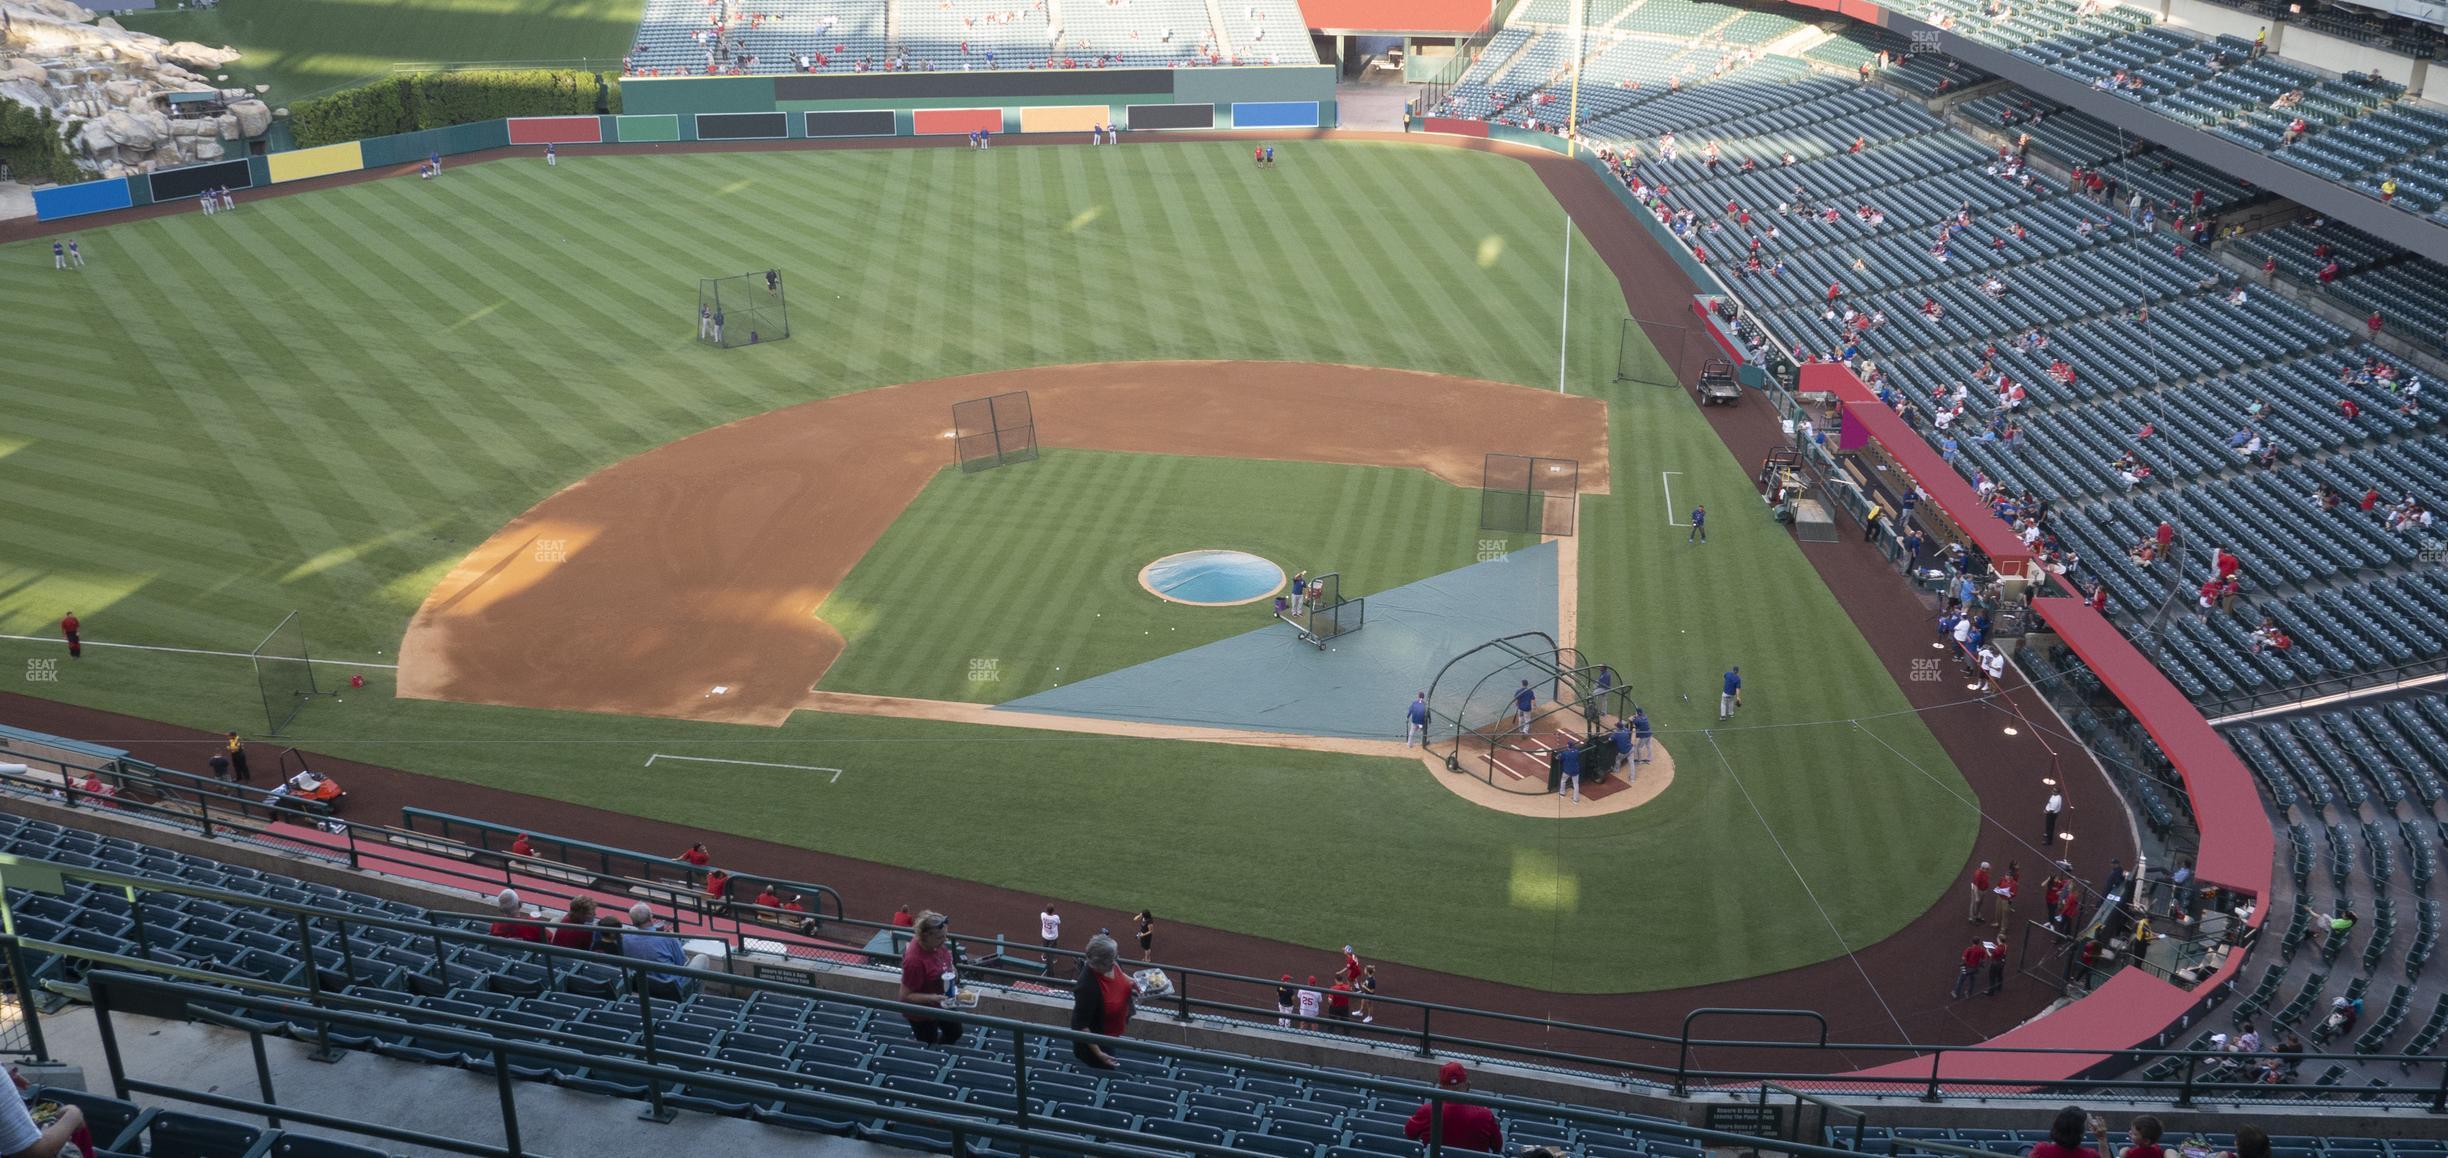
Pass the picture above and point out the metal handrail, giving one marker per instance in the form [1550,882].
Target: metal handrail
[364,844]
[110,988]
[1682,1074]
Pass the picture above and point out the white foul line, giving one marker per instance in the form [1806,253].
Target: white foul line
[194,651]
[1662,477]
[751,763]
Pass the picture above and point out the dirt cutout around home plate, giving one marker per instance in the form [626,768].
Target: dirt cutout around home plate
[684,582]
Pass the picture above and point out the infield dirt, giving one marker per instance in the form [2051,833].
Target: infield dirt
[685,581]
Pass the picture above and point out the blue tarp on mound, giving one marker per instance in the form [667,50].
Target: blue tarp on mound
[1268,680]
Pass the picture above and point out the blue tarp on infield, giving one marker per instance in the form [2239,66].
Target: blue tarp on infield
[1268,680]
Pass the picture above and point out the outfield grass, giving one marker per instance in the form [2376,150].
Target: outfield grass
[1036,567]
[305,48]
[321,402]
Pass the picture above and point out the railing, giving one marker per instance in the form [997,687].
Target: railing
[1659,1063]
[2292,697]
[21,1032]
[216,810]
[1465,55]
[611,860]
[116,993]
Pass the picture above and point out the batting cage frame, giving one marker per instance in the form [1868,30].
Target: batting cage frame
[1472,714]
[1529,494]
[744,309]
[1321,613]
[284,673]
[997,430]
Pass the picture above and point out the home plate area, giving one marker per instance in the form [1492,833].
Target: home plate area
[1523,763]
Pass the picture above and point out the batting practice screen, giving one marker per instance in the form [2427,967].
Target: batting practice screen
[1521,493]
[991,432]
[742,310]
[284,673]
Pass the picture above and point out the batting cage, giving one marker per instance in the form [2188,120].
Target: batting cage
[743,310]
[1475,718]
[1521,493]
[1321,612]
[994,431]
[284,673]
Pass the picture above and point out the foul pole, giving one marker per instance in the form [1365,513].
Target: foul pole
[1572,109]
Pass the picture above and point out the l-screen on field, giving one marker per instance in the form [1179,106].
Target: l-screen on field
[470,416]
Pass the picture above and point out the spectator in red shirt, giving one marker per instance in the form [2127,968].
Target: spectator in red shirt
[1464,1127]
[902,918]
[2143,1134]
[2166,535]
[1338,1000]
[521,846]
[767,898]
[2328,273]
[696,854]
[927,979]
[1980,890]
[2228,564]
[509,924]
[718,889]
[2350,408]
[2370,500]
[1969,975]
[1351,966]
[1996,957]
[2373,324]
[577,930]
[1102,1000]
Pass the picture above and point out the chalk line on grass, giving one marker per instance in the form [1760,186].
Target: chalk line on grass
[195,651]
[836,778]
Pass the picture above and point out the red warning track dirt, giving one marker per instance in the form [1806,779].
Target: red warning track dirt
[699,565]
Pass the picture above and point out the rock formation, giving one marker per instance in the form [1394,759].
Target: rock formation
[109,89]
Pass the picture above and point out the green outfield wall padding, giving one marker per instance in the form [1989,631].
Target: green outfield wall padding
[1223,86]
[687,95]
[404,148]
[647,127]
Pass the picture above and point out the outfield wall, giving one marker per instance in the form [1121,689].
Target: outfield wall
[823,106]
[1063,100]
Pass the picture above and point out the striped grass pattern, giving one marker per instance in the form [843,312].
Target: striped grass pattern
[1036,567]
[321,402]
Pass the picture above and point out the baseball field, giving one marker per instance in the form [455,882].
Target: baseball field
[358,402]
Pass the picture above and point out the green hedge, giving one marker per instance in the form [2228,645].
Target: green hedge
[414,102]
[30,143]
